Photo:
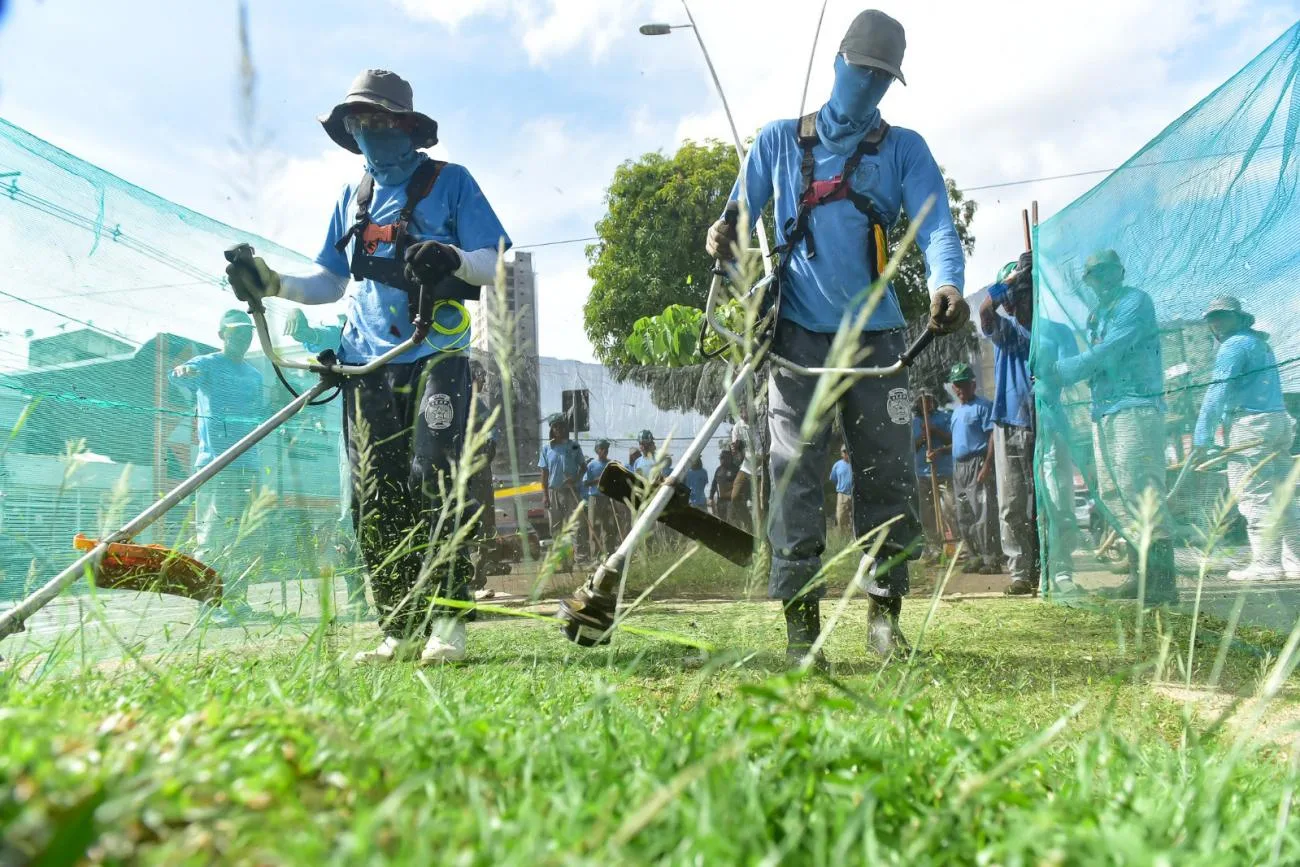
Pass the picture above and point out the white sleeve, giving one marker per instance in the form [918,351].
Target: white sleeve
[477,267]
[317,286]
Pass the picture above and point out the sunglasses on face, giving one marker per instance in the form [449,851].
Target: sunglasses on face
[375,121]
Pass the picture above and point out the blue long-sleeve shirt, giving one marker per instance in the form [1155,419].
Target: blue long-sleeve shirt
[820,292]
[1122,362]
[1245,381]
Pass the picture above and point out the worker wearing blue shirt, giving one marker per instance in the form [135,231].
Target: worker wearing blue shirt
[938,507]
[1013,415]
[562,464]
[1246,393]
[417,236]
[697,480]
[228,397]
[842,476]
[972,453]
[837,180]
[648,465]
[318,339]
[1123,368]
[602,518]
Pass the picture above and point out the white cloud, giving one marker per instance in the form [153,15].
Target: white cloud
[547,28]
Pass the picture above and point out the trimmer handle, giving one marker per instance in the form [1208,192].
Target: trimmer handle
[918,346]
[241,255]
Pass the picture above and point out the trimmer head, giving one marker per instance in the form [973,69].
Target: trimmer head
[587,618]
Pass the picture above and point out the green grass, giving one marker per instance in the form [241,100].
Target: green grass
[1030,734]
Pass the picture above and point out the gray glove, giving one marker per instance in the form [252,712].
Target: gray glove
[948,310]
[721,238]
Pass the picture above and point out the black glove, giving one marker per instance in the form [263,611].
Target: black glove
[428,263]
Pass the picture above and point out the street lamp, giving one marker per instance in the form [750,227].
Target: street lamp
[659,29]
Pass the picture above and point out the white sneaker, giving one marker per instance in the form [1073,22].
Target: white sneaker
[1255,572]
[389,650]
[446,644]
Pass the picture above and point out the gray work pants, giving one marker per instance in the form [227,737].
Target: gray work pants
[977,510]
[876,418]
[1014,462]
[1257,474]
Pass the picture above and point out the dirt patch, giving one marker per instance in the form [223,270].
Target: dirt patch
[1277,722]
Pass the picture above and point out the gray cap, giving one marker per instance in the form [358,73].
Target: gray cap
[875,40]
[1229,304]
[379,90]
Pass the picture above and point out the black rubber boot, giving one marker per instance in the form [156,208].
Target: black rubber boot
[803,624]
[1161,584]
[883,633]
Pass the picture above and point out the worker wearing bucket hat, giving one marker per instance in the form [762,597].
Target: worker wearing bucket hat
[838,179]
[1125,374]
[418,237]
[1245,394]
[227,392]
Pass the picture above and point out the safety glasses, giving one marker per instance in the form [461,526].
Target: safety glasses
[375,121]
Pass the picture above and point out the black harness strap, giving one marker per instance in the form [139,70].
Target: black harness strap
[365,238]
[813,194]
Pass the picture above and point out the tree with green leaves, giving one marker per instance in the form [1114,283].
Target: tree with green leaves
[650,255]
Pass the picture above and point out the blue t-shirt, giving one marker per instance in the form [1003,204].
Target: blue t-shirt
[591,475]
[1122,363]
[842,476]
[972,423]
[455,212]
[1245,381]
[698,481]
[939,420]
[644,466]
[818,293]
[227,403]
[562,462]
[1013,397]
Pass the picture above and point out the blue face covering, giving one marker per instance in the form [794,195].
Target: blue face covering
[390,155]
[851,111]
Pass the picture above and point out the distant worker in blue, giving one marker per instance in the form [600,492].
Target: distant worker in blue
[562,464]
[1123,368]
[1246,396]
[602,517]
[972,454]
[410,223]
[318,339]
[837,180]
[697,480]
[648,465]
[1007,320]
[933,456]
[842,477]
[227,392]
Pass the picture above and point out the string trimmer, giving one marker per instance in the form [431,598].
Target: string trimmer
[114,562]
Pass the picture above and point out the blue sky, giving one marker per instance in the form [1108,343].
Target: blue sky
[541,99]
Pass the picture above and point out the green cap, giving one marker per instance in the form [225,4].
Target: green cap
[236,319]
[1007,270]
[1102,259]
[557,418]
[645,436]
[602,444]
[961,372]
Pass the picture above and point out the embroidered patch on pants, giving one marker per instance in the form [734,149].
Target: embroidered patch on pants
[898,406]
[438,411]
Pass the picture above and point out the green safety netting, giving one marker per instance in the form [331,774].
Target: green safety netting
[1208,208]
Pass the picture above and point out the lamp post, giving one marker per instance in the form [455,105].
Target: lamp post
[657,29]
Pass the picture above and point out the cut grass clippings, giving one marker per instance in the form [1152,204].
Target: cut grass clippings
[1028,734]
